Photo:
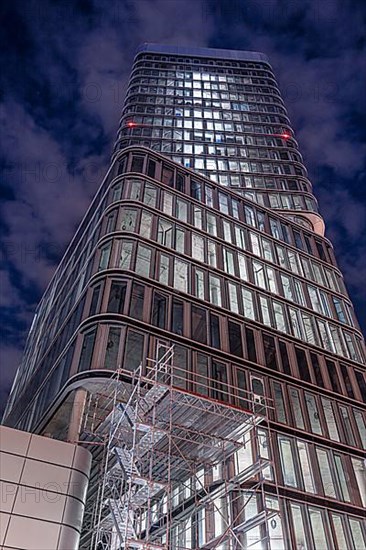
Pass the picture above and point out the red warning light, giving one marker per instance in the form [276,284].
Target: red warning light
[131,124]
[285,135]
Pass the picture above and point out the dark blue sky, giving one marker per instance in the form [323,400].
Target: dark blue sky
[64,70]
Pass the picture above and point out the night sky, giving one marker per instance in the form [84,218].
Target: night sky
[65,66]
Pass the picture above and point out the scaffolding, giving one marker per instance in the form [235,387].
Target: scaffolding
[173,467]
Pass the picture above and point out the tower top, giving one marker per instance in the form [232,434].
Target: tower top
[216,53]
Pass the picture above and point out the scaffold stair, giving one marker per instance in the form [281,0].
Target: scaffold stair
[125,461]
[122,519]
[153,395]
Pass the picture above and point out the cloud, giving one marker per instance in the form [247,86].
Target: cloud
[67,67]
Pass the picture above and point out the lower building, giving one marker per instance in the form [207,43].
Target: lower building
[43,484]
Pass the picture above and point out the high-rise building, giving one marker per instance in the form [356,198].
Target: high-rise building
[205,240]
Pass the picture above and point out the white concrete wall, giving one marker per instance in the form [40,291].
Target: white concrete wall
[43,485]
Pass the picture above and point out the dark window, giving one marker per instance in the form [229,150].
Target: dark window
[151,167]
[137,163]
[121,165]
[320,250]
[116,297]
[333,375]
[87,350]
[270,351]
[159,310]
[317,370]
[215,331]
[252,354]
[133,350]
[285,233]
[196,190]
[180,182]
[167,176]
[199,324]
[219,376]
[137,301]
[302,363]
[111,354]
[361,384]
[95,300]
[177,316]
[284,357]
[308,244]
[347,381]
[298,240]
[235,342]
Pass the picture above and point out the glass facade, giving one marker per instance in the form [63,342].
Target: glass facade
[205,234]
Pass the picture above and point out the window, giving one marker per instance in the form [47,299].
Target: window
[111,354]
[146,224]
[341,477]
[87,350]
[105,253]
[249,335]
[279,316]
[198,247]
[284,357]
[313,413]
[165,232]
[347,426]
[302,364]
[347,381]
[307,477]
[159,310]
[333,376]
[150,194]
[137,301]
[211,254]
[317,370]
[137,163]
[299,529]
[248,303]
[233,298]
[180,275]
[199,324]
[279,403]
[163,275]
[177,316]
[143,260]
[235,340]
[270,352]
[215,331]
[228,261]
[296,408]
[128,219]
[215,290]
[325,473]
[259,276]
[287,461]
[266,317]
[317,527]
[133,350]
[117,297]
[219,376]
[330,419]
[125,255]
[339,531]
[94,303]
